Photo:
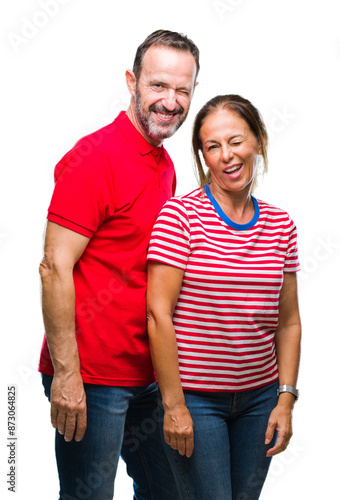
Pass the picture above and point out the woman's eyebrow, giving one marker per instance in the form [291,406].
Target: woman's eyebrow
[230,138]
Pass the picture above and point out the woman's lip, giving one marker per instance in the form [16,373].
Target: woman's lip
[236,173]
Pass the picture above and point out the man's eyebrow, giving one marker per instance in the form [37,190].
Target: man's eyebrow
[157,82]
[164,84]
[184,88]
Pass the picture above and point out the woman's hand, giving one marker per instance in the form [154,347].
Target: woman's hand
[179,429]
[281,420]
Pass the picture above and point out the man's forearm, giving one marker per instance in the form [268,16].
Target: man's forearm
[58,305]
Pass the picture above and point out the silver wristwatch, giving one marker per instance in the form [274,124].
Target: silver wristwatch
[288,388]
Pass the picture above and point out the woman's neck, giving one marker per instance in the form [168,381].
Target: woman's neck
[237,205]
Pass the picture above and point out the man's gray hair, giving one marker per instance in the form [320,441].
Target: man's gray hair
[165,38]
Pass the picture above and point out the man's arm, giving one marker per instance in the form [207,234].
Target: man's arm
[63,248]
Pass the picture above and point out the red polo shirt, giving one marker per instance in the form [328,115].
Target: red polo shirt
[111,187]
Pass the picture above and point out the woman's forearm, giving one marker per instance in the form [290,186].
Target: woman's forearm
[164,355]
[178,427]
[287,342]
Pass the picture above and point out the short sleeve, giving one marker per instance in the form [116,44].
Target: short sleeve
[83,196]
[291,264]
[170,238]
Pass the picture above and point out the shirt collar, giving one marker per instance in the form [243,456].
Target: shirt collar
[133,136]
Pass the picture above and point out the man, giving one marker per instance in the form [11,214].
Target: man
[95,358]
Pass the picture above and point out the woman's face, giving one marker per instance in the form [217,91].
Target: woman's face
[230,151]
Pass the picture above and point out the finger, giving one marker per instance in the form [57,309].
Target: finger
[282,441]
[81,426]
[167,438]
[269,432]
[278,448]
[70,425]
[181,446]
[189,446]
[274,451]
[54,416]
[61,422]
[173,442]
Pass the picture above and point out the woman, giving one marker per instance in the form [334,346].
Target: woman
[223,315]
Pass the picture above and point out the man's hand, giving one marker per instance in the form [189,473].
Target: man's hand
[179,429]
[68,406]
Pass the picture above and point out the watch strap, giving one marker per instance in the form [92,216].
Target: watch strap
[288,388]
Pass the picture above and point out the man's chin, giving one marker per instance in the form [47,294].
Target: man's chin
[163,132]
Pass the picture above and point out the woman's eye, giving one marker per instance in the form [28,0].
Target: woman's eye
[213,146]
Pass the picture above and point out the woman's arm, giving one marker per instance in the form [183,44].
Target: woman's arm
[164,284]
[287,343]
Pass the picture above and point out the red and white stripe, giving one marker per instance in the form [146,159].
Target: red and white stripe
[227,311]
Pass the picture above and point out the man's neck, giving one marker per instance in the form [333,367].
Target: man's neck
[131,113]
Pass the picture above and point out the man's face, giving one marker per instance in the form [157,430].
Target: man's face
[164,91]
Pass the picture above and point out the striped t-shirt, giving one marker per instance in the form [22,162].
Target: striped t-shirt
[227,311]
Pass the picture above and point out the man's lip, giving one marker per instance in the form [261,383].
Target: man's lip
[165,117]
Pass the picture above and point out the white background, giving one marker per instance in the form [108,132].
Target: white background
[63,77]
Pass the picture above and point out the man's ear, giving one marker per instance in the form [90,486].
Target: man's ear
[193,90]
[131,82]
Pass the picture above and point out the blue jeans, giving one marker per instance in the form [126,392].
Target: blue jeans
[229,460]
[120,420]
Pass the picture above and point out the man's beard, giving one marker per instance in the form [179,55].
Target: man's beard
[158,131]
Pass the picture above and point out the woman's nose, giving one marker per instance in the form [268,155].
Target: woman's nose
[227,153]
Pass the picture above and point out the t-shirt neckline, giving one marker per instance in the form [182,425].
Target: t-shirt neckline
[226,219]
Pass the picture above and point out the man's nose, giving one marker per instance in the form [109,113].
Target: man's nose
[169,100]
